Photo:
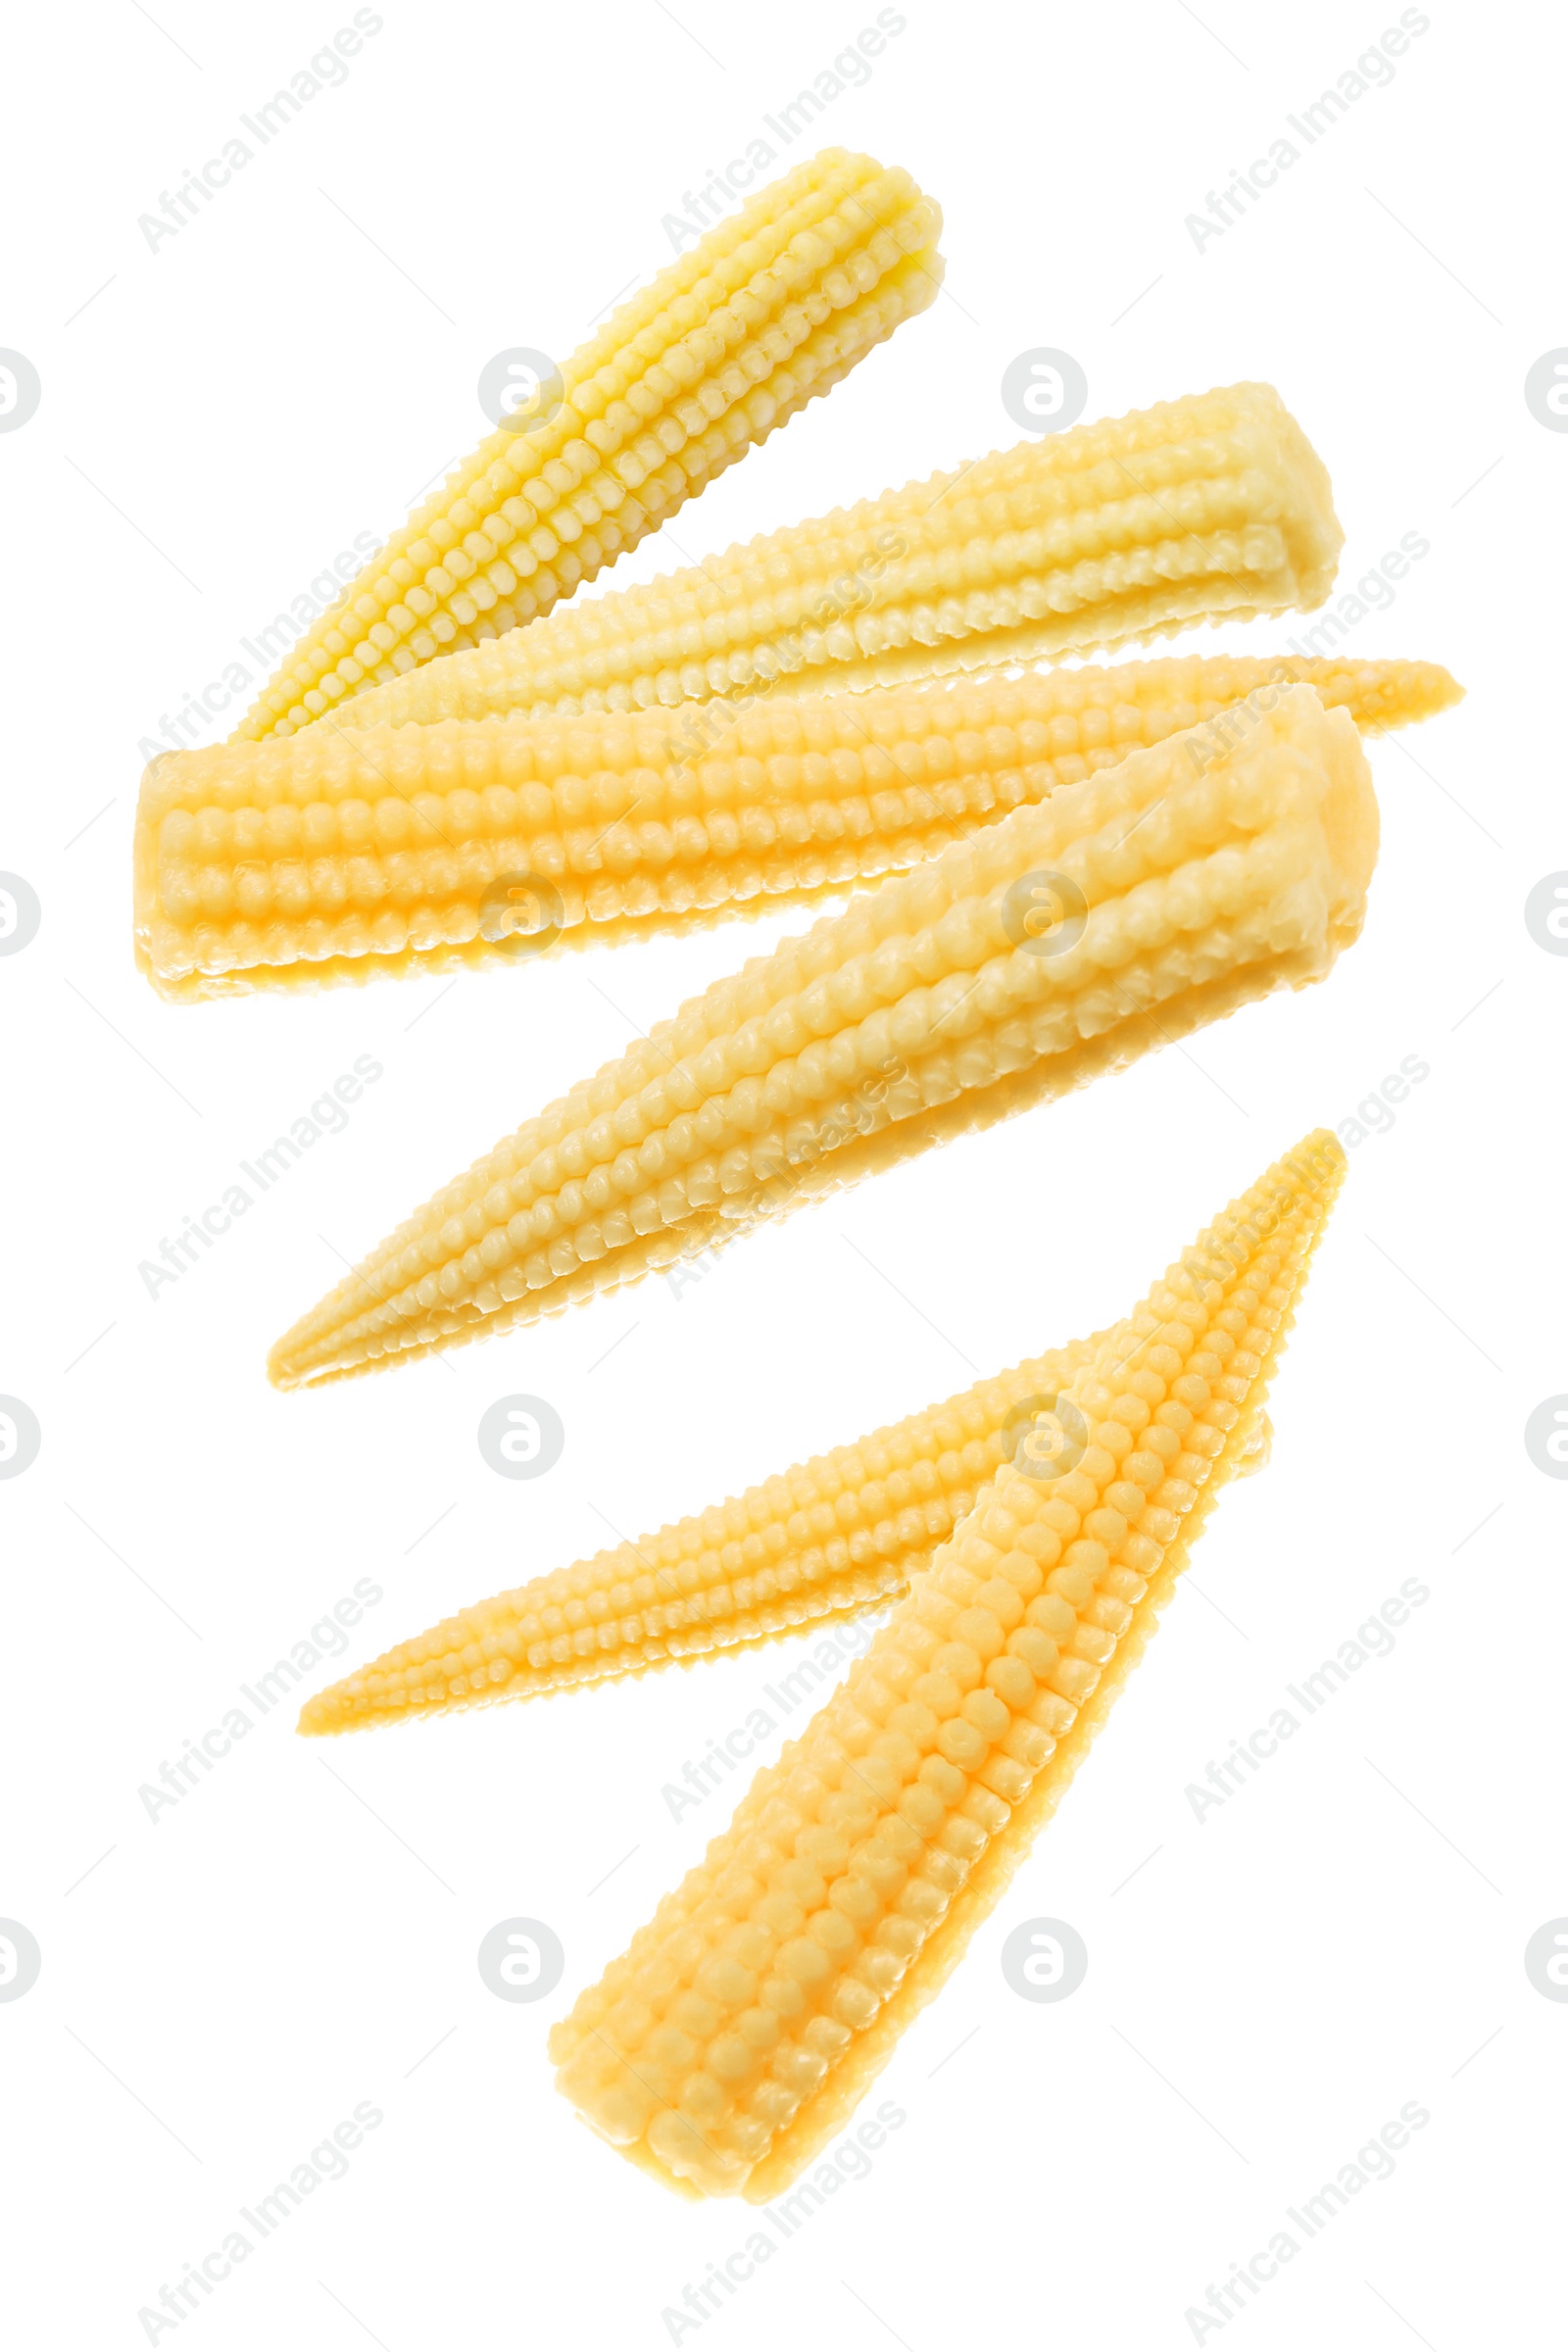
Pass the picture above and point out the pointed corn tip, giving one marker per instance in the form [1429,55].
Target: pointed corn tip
[1429,687]
[1318,1162]
[1315,1142]
[1439,688]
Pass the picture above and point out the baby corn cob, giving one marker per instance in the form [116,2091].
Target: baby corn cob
[1208,508]
[339,856]
[770,309]
[1175,886]
[747,2019]
[828,1539]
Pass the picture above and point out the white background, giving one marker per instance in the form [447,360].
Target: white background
[1344,1936]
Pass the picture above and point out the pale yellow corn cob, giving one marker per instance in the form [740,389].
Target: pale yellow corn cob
[1203,879]
[1209,507]
[337,856]
[827,1540]
[747,2019]
[770,309]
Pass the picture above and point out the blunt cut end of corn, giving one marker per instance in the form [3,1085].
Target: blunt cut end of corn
[1120,915]
[340,855]
[749,2017]
[770,310]
[822,1542]
[1211,508]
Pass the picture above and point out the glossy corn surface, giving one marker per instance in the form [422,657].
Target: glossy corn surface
[1121,914]
[748,2017]
[772,308]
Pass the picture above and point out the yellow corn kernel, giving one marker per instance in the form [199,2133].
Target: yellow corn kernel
[343,854]
[1213,508]
[770,309]
[749,2017]
[825,1541]
[1122,912]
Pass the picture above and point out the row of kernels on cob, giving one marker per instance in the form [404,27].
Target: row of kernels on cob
[770,309]
[827,1539]
[749,2014]
[289,860]
[1201,883]
[1203,508]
